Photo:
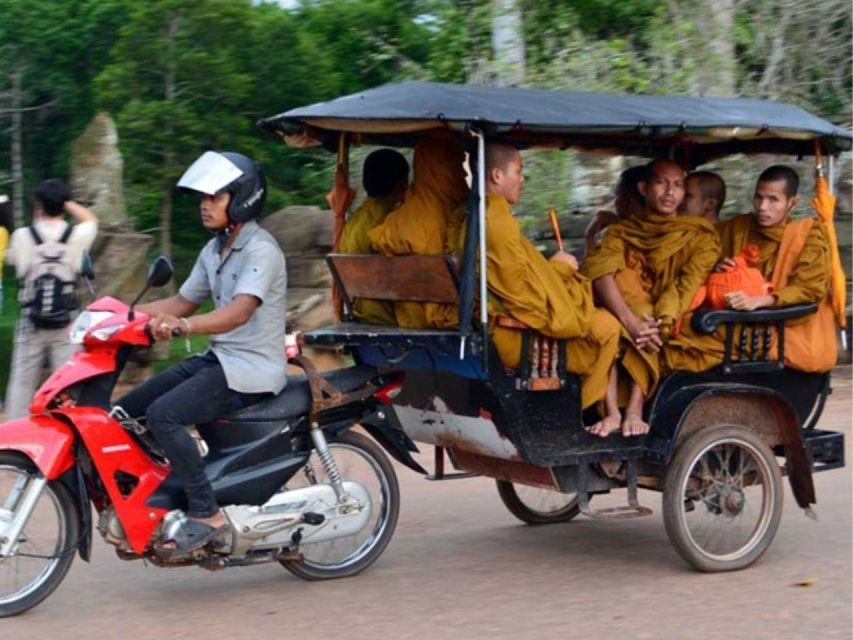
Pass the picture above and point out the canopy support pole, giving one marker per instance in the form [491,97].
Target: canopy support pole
[481,215]
[830,174]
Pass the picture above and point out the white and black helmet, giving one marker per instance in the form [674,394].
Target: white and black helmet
[218,171]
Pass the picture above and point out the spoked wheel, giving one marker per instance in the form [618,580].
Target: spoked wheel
[538,506]
[722,498]
[359,460]
[43,556]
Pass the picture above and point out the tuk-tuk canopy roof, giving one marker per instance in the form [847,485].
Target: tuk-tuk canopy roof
[400,114]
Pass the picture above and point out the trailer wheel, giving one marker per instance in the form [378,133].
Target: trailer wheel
[538,506]
[722,498]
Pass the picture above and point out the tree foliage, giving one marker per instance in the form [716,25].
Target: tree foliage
[180,76]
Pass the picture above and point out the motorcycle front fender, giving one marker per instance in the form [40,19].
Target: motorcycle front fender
[384,427]
[46,441]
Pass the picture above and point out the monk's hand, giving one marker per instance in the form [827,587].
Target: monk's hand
[739,301]
[724,265]
[162,325]
[645,332]
[567,258]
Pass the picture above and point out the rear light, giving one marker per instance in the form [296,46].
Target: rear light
[390,391]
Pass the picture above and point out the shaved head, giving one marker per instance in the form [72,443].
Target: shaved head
[504,175]
[656,167]
[499,155]
[711,186]
[704,196]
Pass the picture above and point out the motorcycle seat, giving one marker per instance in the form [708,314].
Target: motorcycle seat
[295,398]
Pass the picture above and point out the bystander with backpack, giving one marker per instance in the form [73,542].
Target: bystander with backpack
[47,257]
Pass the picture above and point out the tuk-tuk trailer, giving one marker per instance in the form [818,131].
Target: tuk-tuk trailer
[719,442]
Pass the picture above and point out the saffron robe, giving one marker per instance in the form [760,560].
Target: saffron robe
[427,222]
[354,239]
[795,258]
[549,297]
[658,262]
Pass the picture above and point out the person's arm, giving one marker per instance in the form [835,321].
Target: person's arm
[79,212]
[674,301]
[265,270]
[644,331]
[810,277]
[808,282]
[226,318]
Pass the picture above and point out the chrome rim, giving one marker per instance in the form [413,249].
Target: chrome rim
[356,465]
[728,498]
[44,535]
[546,503]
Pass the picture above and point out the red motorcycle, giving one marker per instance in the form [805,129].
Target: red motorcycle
[297,486]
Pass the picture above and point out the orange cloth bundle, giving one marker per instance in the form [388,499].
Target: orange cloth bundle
[741,277]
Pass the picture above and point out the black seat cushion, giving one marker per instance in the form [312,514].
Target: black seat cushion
[295,399]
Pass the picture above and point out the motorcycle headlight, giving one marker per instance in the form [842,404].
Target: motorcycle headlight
[85,321]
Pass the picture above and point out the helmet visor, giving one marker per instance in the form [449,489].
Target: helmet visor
[210,174]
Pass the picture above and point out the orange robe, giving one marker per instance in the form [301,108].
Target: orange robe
[549,297]
[794,257]
[354,239]
[658,262]
[428,221]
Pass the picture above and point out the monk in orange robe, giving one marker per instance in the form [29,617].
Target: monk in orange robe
[549,296]
[704,196]
[385,177]
[428,222]
[646,272]
[626,200]
[794,258]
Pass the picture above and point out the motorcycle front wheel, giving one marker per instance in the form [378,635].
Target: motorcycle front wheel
[47,542]
[361,460]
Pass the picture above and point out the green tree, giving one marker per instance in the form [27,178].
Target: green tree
[49,53]
[175,87]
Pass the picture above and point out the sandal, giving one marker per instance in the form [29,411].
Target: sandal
[192,535]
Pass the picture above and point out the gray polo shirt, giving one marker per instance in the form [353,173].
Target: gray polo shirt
[252,355]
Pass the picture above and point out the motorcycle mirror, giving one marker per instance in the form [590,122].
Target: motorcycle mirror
[160,272]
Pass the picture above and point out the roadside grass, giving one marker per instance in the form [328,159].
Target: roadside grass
[8,316]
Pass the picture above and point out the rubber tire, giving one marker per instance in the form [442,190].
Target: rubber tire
[509,496]
[673,502]
[68,506]
[310,572]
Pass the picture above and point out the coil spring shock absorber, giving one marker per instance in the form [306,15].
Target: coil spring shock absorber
[328,461]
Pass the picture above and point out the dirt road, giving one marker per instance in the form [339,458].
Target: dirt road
[461,566]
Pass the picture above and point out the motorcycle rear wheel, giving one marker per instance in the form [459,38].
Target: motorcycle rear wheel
[361,460]
[47,546]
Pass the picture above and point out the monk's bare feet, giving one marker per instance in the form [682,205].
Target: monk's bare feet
[634,425]
[610,423]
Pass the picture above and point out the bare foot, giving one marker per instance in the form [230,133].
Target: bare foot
[607,425]
[634,425]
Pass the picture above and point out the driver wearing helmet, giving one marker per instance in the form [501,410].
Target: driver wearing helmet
[242,270]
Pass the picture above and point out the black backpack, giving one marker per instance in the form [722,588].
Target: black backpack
[48,293]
